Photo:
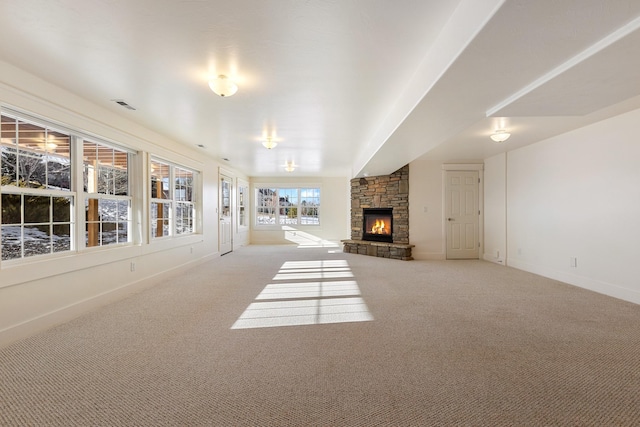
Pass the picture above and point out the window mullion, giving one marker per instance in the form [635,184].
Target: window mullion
[77,175]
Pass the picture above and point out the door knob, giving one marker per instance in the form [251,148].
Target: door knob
[450,219]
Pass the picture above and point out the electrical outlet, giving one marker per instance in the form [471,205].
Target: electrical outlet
[133,266]
[191,249]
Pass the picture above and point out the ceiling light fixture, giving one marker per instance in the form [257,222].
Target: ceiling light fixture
[500,135]
[48,146]
[290,166]
[269,143]
[223,86]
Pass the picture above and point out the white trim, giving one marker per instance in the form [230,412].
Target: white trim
[595,48]
[579,281]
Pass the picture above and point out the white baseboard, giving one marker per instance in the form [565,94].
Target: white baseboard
[491,258]
[598,286]
[64,314]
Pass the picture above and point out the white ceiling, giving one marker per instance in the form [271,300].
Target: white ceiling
[348,87]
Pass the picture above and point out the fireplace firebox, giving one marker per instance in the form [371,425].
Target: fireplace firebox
[377,224]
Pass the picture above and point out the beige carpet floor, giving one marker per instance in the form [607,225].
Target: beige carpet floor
[281,336]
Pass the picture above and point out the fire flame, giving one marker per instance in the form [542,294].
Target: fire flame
[379,227]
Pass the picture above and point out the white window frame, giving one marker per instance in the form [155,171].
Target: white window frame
[43,192]
[89,195]
[243,205]
[171,201]
[278,208]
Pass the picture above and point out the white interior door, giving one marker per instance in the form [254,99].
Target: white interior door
[226,219]
[462,214]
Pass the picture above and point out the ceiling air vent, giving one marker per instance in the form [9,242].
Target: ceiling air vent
[123,103]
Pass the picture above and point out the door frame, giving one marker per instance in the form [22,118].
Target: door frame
[464,167]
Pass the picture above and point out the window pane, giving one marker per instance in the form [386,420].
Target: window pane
[36,209]
[183,185]
[159,180]
[37,240]
[58,160]
[90,159]
[32,171]
[9,169]
[288,196]
[105,169]
[61,209]
[108,210]
[121,181]
[242,219]
[108,233]
[8,150]
[58,173]
[105,180]
[289,216]
[160,216]
[184,218]
[11,242]
[266,216]
[61,237]
[11,209]
[123,210]
[123,232]
[30,135]
[9,128]
[92,210]
[309,215]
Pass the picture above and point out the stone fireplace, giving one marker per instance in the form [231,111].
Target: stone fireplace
[380,216]
[377,224]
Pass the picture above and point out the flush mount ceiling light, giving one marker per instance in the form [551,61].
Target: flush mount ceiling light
[223,86]
[49,146]
[269,143]
[500,135]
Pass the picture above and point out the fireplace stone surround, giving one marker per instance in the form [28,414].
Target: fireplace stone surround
[386,191]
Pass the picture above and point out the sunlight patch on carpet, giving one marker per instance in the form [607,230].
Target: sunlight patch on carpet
[307,294]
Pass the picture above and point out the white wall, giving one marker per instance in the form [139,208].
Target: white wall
[495,209]
[426,229]
[334,213]
[426,206]
[36,293]
[577,196]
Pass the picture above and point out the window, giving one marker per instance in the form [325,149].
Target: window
[107,199]
[185,208]
[242,204]
[309,205]
[169,202]
[287,206]
[37,201]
